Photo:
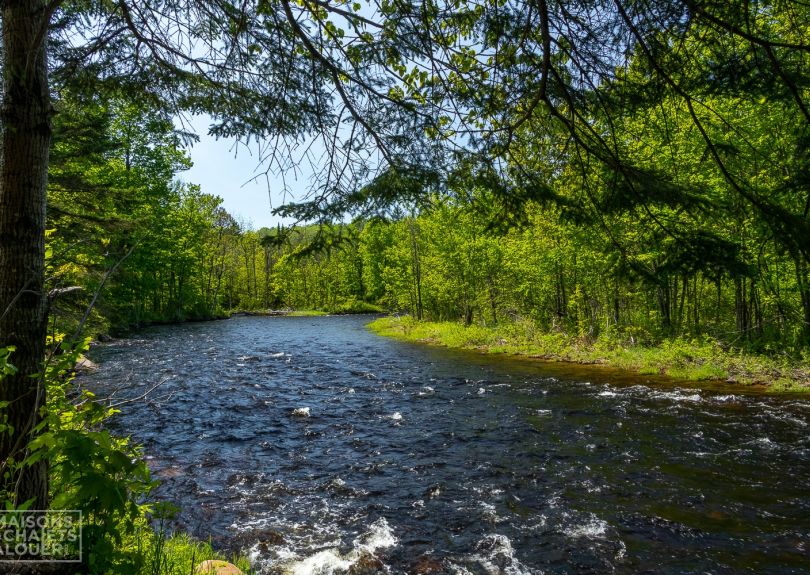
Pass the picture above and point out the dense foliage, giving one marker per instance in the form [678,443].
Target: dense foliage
[145,248]
[628,169]
[449,264]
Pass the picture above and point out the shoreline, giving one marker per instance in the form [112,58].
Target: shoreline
[694,361]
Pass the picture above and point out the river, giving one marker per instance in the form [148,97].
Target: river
[318,447]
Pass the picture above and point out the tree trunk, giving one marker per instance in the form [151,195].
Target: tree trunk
[742,319]
[664,298]
[616,304]
[804,293]
[682,303]
[26,137]
[697,303]
[416,267]
[267,267]
[468,313]
[560,297]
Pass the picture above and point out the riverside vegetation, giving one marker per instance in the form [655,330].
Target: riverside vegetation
[613,181]
[155,250]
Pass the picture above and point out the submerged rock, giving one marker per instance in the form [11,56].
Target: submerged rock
[427,565]
[367,564]
[269,537]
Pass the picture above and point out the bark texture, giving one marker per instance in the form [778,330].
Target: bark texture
[25,136]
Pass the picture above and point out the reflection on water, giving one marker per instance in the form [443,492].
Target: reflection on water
[320,448]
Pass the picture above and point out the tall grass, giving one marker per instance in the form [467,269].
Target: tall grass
[162,553]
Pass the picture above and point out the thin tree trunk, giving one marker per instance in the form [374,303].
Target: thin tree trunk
[616,304]
[665,305]
[681,303]
[741,307]
[26,135]
[718,285]
[804,293]
[416,267]
[267,268]
[757,311]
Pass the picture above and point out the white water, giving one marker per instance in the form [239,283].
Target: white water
[330,561]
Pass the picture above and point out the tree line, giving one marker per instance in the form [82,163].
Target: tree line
[695,260]
[657,149]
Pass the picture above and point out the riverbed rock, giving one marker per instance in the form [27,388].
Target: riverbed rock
[266,538]
[427,565]
[85,365]
[217,567]
[367,564]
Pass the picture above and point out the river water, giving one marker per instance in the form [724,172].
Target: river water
[318,447]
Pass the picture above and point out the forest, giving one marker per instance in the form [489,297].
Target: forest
[613,173]
[145,248]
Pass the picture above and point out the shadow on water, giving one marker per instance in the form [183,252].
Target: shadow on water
[319,447]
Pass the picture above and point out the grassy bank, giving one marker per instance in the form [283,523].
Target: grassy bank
[178,554]
[696,359]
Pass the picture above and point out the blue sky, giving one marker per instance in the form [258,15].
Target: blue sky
[225,170]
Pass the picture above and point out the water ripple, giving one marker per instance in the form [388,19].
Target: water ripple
[319,448]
